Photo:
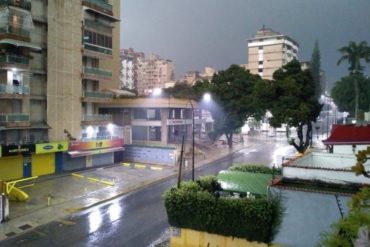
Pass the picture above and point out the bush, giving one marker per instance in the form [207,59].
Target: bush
[255,168]
[194,206]
[209,183]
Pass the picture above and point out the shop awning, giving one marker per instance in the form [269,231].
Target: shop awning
[20,43]
[92,152]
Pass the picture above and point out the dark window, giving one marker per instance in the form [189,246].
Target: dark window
[260,62]
[260,47]
[260,70]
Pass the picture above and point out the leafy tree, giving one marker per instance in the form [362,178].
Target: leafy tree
[180,90]
[343,91]
[362,157]
[354,53]
[232,91]
[316,69]
[290,97]
[345,232]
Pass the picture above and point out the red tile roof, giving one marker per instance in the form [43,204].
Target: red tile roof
[349,134]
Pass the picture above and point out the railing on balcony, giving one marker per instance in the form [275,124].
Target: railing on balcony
[15,30]
[100,4]
[97,71]
[14,59]
[10,89]
[96,118]
[99,49]
[97,94]
[14,117]
[24,4]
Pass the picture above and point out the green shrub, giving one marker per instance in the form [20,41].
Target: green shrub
[199,209]
[255,168]
[209,183]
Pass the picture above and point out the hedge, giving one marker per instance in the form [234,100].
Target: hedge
[255,168]
[196,207]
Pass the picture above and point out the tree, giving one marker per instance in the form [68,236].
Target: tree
[354,53]
[362,157]
[343,91]
[290,98]
[232,91]
[180,90]
[316,69]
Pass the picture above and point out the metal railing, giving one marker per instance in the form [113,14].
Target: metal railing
[99,49]
[15,30]
[10,89]
[97,94]
[14,117]
[100,4]
[97,71]
[24,4]
[14,59]
[97,117]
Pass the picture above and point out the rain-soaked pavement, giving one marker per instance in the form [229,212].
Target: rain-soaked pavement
[138,218]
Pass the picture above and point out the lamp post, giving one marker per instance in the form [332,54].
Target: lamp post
[193,142]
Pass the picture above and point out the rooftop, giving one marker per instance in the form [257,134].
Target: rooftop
[348,135]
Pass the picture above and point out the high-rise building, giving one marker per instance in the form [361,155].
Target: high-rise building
[154,72]
[268,51]
[56,57]
[130,61]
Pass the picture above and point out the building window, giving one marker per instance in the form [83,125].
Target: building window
[260,62]
[260,70]
[260,47]
[154,133]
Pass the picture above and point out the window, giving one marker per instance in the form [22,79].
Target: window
[260,62]
[260,47]
[260,70]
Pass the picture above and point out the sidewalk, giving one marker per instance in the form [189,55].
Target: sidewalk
[54,197]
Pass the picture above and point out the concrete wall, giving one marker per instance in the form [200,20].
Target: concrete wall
[307,215]
[64,88]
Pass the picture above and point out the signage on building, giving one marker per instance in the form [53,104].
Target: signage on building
[51,147]
[96,144]
[179,121]
[17,149]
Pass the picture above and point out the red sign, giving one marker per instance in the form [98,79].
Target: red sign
[97,144]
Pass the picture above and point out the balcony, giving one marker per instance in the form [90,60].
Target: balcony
[96,119]
[92,50]
[24,4]
[12,32]
[10,61]
[100,5]
[15,120]
[96,96]
[14,92]
[96,74]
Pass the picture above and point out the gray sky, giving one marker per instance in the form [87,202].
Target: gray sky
[199,33]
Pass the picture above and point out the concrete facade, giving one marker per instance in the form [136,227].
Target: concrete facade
[268,51]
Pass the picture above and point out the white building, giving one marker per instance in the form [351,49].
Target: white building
[268,51]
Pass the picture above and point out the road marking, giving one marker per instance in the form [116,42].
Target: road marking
[141,166]
[66,222]
[77,175]
[126,164]
[156,168]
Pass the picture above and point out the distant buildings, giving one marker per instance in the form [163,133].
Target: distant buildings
[268,51]
[145,74]
[192,77]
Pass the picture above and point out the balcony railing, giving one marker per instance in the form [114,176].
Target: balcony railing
[14,117]
[100,4]
[97,71]
[14,59]
[97,118]
[10,89]
[15,30]
[99,49]
[24,4]
[97,94]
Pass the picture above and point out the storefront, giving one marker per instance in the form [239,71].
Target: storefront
[85,154]
[47,158]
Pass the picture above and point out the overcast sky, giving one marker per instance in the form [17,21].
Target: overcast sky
[199,33]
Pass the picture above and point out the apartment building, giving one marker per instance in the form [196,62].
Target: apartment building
[130,61]
[268,51]
[154,72]
[56,59]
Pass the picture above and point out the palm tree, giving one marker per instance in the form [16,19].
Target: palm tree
[354,53]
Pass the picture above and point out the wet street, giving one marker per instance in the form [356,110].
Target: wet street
[138,218]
